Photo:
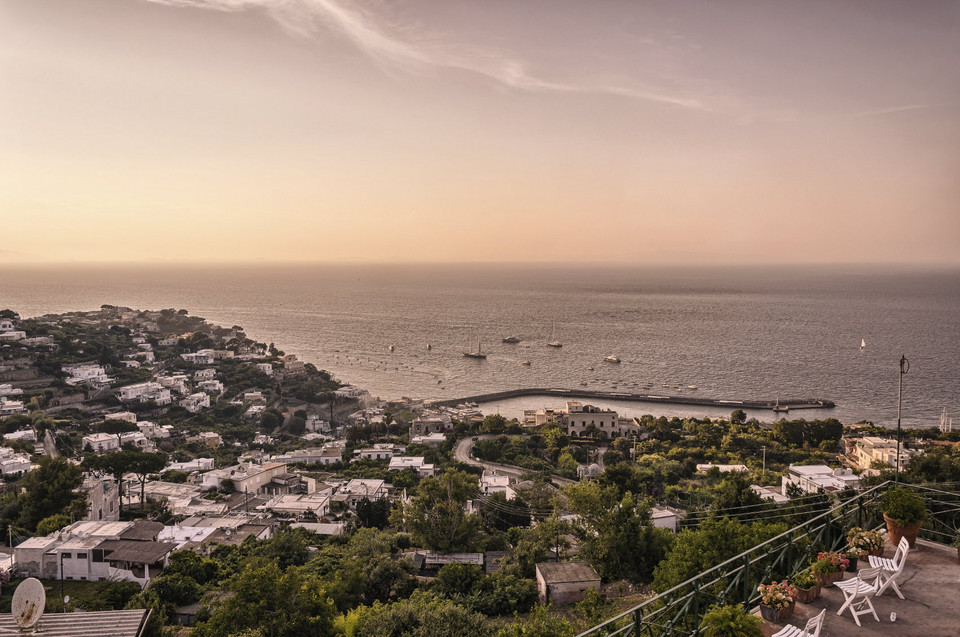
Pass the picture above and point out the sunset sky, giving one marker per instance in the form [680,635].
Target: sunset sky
[495,130]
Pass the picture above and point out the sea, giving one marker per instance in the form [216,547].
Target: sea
[733,333]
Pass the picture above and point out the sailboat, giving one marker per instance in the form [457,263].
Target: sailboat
[477,354]
[863,344]
[554,343]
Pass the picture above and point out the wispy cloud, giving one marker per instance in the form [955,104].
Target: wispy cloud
[402,47]
[896,109]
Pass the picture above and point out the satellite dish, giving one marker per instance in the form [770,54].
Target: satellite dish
[28,602]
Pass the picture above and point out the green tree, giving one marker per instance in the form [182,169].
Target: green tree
[421,615]
[539,624]
[48,490]
[281,603]
[738,416]
[117,428]
[46,526]
[436,515]
[142,464]
[615,532]
[695,551]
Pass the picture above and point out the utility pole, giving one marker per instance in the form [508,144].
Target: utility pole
[904,368]
[764,458]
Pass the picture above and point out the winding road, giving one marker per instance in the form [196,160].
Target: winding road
[463,452]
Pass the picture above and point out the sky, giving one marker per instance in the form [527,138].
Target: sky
[609,131]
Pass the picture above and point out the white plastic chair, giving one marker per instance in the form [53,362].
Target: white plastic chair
[890,569]
[812,629]
[858,591]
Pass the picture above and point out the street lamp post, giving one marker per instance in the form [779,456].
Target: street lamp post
[904,368]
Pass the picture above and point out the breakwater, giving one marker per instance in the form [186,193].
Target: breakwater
[774,405]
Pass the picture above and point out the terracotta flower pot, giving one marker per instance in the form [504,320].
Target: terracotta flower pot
[827,579]
[807,595]
[876,552]
[777,615]
[895,531]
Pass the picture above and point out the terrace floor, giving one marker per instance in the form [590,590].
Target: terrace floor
[930,583]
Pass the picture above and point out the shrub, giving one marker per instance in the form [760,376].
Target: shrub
[730,621]
[903,505]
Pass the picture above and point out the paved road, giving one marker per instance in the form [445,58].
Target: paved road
[49,446]
[462,453]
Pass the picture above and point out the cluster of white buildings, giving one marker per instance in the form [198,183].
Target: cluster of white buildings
[89,373]
[863,453]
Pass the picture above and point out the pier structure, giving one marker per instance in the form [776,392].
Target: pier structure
[775,405]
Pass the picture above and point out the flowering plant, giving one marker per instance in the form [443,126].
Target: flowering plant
[804,579]
[864,541]
[777,595]
[830,562]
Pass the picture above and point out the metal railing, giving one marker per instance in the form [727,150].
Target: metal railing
[678,610]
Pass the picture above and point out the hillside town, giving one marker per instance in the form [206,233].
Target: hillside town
[155,461]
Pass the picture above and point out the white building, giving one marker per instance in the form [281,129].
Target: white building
[202,357]
[100,442]
[12,462]
[380,451]
[9,390]
[144,392]
[204,374]
[864,452]
[722,468]
[211,386]
[300,504]
[770,493]
[95,551]
[358,489]
[813,478]
[89,373]
[430,440]
[155,431]
[586,420]
[194,403]
[246,478]
[197,464]
[423,468]
[491,483]
[266,368]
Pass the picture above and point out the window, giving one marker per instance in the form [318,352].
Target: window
[67,556]
[81,556]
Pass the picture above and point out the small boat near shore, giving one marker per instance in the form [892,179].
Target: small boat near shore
[511,339]
[612,359]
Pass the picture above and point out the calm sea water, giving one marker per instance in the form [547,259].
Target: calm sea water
[735,333]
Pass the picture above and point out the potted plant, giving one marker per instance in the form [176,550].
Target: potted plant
[808,588]
[829,567]
[865,542]
[730,621]
[777,600]
[904,512]
[853,557]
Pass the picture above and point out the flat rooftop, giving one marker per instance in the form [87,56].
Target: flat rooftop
[930,583]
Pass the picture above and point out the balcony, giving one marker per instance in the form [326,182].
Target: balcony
[931,576]
[931,608]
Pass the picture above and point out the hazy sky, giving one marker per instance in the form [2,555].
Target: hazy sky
[493,130]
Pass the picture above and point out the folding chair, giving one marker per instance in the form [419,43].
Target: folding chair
[858,591]
[890,569]
[812,629]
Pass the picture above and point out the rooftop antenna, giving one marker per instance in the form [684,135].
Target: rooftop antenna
[904,368]
[27,606]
